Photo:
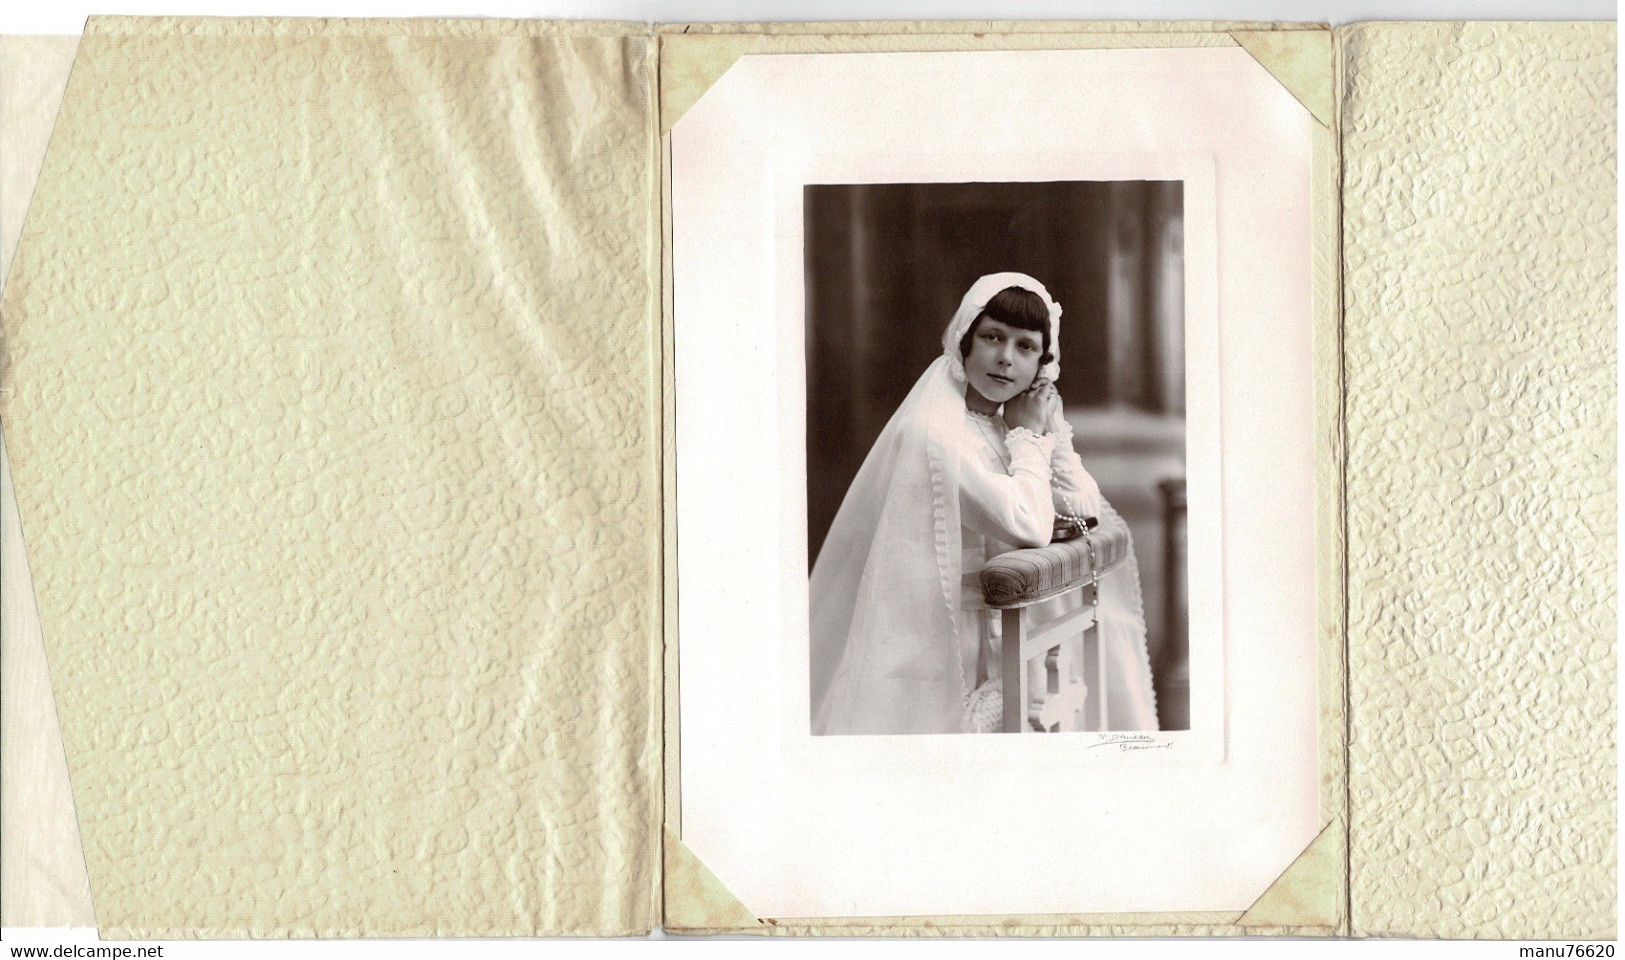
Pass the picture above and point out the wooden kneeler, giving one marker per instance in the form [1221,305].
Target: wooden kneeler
[1017,585]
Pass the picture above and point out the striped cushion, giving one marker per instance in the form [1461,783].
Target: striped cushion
[1024,576]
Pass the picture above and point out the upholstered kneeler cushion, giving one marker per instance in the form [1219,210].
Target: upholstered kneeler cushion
[1025,576]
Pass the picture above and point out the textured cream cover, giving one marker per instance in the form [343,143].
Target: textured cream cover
[1479,231]
[333,414]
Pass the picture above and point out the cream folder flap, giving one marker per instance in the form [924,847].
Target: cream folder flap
[331,401]
[1479,328]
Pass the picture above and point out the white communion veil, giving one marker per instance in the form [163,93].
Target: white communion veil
[885,592]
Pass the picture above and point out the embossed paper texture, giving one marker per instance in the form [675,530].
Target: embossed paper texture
[331,400]
[1479,229]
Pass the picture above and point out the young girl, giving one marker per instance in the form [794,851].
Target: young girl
[976,462]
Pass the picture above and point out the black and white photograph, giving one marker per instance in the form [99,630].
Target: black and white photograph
[996,457]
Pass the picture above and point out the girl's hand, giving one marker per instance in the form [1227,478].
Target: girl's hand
[1034,408]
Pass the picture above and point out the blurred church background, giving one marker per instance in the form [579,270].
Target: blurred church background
[886,265]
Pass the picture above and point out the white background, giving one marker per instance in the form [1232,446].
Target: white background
[68,15]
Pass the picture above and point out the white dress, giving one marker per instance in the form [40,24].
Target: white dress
[1012,487]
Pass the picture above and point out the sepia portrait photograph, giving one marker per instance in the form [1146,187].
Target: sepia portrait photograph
[996,457]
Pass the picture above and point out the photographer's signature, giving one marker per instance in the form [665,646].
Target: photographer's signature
[1125,742]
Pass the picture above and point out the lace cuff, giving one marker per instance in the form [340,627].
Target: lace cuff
[1029,450]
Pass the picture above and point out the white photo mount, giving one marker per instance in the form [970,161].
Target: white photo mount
[736,259]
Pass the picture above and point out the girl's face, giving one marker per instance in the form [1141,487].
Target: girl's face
[1003,360]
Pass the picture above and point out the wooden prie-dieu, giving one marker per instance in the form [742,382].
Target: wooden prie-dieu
[1046,602]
